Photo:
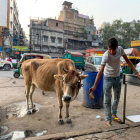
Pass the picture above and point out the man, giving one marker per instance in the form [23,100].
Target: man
[111,67]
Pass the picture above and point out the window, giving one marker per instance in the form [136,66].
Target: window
[98,60]
[52,39]
[56,24]
[92,60]
[45,39]
[59,40]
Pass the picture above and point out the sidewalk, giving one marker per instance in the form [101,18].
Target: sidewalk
[119,132]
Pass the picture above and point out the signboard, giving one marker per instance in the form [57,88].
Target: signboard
[20,48]
[135,43]
[95,44]
[83,16]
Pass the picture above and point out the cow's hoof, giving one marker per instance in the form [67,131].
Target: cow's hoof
[61,122]
[69,121]
[29,112]
[34,110]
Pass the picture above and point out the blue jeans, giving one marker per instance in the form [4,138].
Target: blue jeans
[110,82]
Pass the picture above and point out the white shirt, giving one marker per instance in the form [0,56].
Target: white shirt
[112,62]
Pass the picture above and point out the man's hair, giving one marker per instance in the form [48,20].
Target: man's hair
[112,43]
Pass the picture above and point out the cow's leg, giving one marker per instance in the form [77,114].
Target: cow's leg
[68,120]
[59,96]
[27,90]
[31,101]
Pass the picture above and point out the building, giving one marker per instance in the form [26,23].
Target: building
[9,26]
[46,36]
[79,29]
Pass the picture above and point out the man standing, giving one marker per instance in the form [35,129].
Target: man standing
[111,67]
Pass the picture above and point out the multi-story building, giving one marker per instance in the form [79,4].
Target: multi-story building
[46,36]
[9,25]
[79,30]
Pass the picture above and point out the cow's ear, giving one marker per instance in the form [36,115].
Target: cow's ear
[58,77]
[83,76]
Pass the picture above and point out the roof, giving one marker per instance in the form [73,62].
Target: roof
[37,54]
[67,3]
[75,53]
[128,51]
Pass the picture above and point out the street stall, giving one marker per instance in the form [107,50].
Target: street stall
[133,80]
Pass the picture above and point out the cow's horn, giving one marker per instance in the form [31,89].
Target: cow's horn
[66,71]
[80,72]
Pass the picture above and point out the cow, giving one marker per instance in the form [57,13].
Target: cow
[57,75]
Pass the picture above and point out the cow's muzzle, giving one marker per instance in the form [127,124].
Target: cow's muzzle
[66,98]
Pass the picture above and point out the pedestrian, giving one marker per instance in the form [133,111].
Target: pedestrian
[110,65]
[9,59]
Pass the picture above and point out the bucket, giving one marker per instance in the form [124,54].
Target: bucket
[88,82]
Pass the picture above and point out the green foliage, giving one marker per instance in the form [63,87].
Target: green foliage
[85,32]
[122,32]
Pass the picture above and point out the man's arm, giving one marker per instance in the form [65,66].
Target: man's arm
[98,77]
[131,65]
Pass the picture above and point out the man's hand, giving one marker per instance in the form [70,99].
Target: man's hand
[91,90]
[138,74]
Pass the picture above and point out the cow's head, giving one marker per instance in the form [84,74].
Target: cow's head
[71,84]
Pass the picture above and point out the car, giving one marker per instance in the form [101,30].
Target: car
[6,65]
[138,67]
[93,63]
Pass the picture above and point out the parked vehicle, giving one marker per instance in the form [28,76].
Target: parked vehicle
[27,56]
[77,58]
[93,63]
[135,60]
[97,52]
[14,63]
[6,65]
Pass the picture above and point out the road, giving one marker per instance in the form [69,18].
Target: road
[12,91]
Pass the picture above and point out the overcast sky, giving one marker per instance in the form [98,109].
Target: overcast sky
[102,10]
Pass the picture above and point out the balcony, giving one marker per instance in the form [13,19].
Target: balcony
[36,48]
[53,49]
[45,49]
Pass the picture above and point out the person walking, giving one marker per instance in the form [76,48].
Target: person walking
[110,65]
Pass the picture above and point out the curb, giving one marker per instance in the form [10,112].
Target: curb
[84,132]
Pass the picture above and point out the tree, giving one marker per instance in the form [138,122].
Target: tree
[122,31]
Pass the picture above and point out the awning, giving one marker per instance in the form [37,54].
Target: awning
[128,51]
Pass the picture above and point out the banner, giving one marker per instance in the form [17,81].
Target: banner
[20,48]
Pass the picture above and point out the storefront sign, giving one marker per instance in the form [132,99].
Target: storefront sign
[20,48]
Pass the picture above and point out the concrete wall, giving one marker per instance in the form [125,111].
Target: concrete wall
[52,24]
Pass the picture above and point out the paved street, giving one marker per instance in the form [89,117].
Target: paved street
[12,91]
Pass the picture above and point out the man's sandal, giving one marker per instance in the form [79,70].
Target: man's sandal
[107,125]
[116,119]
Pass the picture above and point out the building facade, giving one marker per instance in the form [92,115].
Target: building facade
[79,30]
[46,36]
[10,28]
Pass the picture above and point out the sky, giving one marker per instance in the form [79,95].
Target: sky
[101,10]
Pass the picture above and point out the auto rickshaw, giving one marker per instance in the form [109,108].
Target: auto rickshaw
[27,56]
[126,69]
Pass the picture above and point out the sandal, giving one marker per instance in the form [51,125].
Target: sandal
[107,125]
[116,119]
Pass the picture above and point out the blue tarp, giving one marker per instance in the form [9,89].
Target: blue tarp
[1,49]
